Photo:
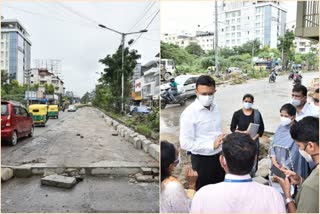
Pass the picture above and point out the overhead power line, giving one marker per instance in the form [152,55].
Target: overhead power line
[144,13]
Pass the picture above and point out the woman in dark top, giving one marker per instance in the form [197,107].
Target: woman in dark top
[242,118]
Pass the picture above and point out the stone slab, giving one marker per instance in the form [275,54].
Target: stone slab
[59,181]
[154,151]
[6,174]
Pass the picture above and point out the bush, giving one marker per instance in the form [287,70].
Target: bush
[144,129]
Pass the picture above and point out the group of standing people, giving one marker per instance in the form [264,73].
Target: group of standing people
[225,164]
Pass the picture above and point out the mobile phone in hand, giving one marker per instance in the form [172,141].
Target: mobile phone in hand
[275,170]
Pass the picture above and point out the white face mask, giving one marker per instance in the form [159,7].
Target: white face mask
[295,102]
[247,105]
[305,155]
[205,100]
[179,158]
[285,121]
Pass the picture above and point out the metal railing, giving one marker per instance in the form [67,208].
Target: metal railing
[311,14]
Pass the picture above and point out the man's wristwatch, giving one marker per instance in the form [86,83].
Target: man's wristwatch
[288,200]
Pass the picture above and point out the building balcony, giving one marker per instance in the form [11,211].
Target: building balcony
[307,25]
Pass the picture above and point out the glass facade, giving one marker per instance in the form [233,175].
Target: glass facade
[13,37]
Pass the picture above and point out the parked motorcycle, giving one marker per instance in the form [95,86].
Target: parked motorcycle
[180,98]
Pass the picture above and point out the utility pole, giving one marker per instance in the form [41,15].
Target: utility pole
[216,38]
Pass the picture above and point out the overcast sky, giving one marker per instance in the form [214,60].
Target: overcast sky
[68,31]
[179,16]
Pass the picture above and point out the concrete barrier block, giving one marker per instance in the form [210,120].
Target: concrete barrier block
[154,151]
[6,174]
[145,145]
[22,172]
[137,143]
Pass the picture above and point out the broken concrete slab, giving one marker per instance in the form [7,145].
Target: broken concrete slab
[6,174]
[59,181]
[144,178]
[145,145]
[154,151]
[142,137]
[146,171]
[22,172]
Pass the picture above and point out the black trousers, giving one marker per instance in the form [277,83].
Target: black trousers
[208,168]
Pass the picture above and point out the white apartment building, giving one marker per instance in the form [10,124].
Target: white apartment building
[242,21]
[43,76]
[303,45]
[15,49]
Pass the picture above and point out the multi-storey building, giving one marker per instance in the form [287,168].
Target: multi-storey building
[15,49]
[242,21]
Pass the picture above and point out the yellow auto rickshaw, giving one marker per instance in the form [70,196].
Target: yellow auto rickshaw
[53,111]
[39,114]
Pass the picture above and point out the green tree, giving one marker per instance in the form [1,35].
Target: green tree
[85,98]
[248,47]
[111,77]
[195,49]
[286,44]
[179,55]
[49,88]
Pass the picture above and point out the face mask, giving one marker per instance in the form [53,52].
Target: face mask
[179,160]
[305,155]
[285,121]
[205,100]
[295,102]
[247,105]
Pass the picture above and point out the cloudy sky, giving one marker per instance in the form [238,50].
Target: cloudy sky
[179,16]
[68,31]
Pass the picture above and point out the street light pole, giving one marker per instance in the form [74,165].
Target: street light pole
[123,35]
[122,74]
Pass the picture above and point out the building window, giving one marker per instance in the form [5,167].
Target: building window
[302,49]
[238,34]
[228,42]
[258,17]
[228,22]
[248,17]
[258,24]
[233,14]
[227,28]
[302,43]
[238,20]
[238,41]
[233,28]
[228,34]
[248,32]
[233,21]
[238,13]
[238,27]
[233,35]
[257,32]
[233,41]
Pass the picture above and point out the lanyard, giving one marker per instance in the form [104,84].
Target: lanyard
[238,181]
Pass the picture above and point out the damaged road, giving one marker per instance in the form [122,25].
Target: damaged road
[77,149]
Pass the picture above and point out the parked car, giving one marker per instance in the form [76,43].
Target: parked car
[139,109]
[186,84]
[72,108]
[16,122]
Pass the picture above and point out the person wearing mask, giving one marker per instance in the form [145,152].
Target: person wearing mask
[299,100]
[174,199]
[291,159]
[200,133]
[242,118]
[306,136]
[238,193]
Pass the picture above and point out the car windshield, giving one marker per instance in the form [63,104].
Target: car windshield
[181,79]
[4,109]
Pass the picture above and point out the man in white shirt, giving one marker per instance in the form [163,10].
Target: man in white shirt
[299,100]
[200,133]
[238,193]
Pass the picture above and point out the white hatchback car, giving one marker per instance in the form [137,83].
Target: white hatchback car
[72,108]
[186,84]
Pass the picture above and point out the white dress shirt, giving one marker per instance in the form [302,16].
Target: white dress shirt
[244,197]
[199,128]
[307,110]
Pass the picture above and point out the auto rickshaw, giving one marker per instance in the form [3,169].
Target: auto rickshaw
[53,111]
[39,114]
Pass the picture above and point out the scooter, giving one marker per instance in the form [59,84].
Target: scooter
[180,98]
[273,76]
[297,79]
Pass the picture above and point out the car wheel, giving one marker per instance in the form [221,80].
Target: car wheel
[167,76]
[31,132]
[14,138]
